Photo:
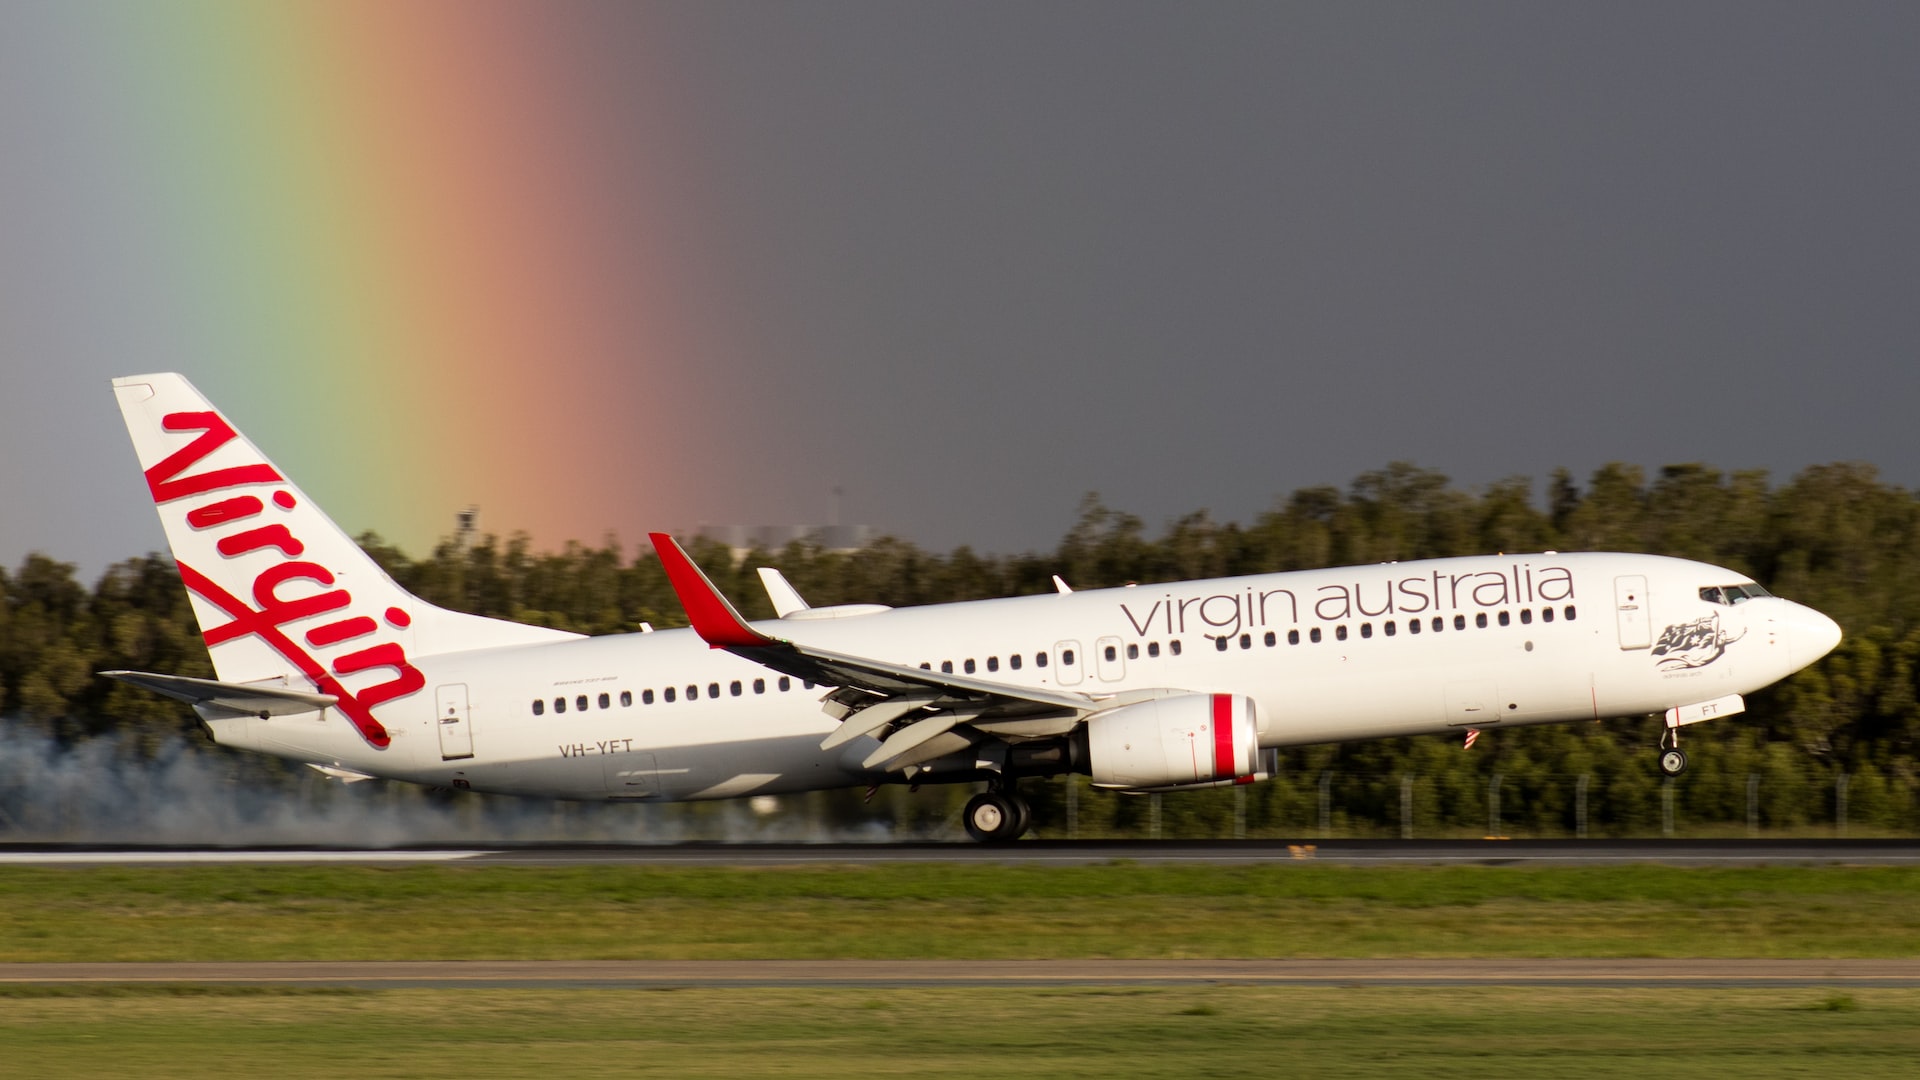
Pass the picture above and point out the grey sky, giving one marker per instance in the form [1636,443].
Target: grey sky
[979,259]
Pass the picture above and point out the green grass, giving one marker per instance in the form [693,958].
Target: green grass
[1012,1033]
[940,911]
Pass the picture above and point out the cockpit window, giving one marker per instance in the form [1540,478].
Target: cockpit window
[1732,594]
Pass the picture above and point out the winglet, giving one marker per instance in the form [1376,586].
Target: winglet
[714,619]
[786,599]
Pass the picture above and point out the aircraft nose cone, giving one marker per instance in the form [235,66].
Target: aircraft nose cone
[1812,635]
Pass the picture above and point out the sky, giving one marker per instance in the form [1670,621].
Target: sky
[602,268]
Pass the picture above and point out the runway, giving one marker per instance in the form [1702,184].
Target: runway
[666,974]
[1489,852]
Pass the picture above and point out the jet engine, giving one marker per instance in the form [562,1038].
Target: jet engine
[1187,740]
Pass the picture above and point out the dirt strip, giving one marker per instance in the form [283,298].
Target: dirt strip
[655,973]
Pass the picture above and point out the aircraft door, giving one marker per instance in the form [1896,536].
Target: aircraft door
[456,732]
[1066,661]
[1109,659]
[1630,611]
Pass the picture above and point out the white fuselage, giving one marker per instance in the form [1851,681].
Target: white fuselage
[1327,655]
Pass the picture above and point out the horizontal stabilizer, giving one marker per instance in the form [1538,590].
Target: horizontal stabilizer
[335,772]
[261,701]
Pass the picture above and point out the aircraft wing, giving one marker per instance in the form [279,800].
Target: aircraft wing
[923,708]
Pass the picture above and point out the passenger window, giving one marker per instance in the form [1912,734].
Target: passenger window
[539,707]
[1014,661]
[1066,657]
[969,665]
[785,684]
[1293,637]
[946,667]
[1271,640]
[1546,614]
[1313,635]
[734,688]
[926,667]
[668,693]
[693,691]
[1174,646]
[606,701]
[806,685]
[1340,632]
[1110,653]
[1480,620]
[1366,629]
[1569,612]
[1133,652]
[1220,644]
[1389,627]
[759,686]
[1246,641]
[1459,622]
[1153,649]
[1439,624]
[1039,659]
[1413,626]
[1505,619]
[646,697]
[993,663]
[1526,616]
[580,703]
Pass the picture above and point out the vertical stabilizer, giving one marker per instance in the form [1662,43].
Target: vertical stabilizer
[281,593]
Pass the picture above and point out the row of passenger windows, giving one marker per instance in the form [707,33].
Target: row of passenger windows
[1391,628]
[582,702]
[1067,658]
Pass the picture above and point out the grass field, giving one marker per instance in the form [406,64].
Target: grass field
[1143,1032]
[935,911]
[930,912]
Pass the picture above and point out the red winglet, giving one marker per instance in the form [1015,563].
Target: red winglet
[715,620]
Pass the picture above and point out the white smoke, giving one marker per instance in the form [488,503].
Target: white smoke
[189,793]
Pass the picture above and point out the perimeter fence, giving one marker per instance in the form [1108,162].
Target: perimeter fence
[104,791]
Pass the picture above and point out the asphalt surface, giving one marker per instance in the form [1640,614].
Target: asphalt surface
[1489,852]
[653,974]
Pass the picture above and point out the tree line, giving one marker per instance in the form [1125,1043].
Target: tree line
[1839,738]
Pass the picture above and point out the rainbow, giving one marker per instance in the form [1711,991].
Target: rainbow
[408,255]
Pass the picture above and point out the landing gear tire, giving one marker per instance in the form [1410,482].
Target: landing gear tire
[1673,761]
[995,818]
[1022,815]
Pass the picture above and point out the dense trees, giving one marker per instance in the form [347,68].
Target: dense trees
[1842,734]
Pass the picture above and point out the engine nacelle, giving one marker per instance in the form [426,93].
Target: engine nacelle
[1189,740]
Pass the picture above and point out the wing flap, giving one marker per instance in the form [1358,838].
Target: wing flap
[876,716]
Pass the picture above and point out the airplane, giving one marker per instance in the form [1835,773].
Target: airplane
[321,658]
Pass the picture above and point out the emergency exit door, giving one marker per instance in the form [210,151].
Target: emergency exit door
[1630,611]
[456,730]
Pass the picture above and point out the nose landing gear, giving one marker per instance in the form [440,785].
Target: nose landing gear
[1673,760]
[997,816]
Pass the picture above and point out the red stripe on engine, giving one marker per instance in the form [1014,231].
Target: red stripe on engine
[1223,764]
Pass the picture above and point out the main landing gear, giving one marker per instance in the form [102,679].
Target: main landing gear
[1673,760]
[997,816]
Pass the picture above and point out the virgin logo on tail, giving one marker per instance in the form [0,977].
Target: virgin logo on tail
[236,520]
